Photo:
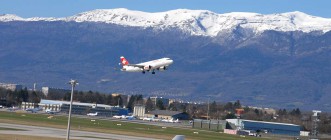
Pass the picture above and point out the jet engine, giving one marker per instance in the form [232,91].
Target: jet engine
[149,67]
[162,68]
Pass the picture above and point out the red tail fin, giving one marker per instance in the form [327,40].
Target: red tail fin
[124,61]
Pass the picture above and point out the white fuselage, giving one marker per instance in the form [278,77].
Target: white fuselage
[158,64]
[92,114]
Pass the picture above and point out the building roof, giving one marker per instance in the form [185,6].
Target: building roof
[164,112]
[235,122]
[43,101]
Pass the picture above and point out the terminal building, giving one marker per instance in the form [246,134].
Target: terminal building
[82,108]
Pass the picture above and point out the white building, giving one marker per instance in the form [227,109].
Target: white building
[139,111]
[11,87]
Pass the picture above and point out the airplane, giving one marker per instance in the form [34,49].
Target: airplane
[131,117]
[33,110]
[119,117]
[49,111]
[158,64]
[147,119]
[13,108]
[92,114]
[171,121]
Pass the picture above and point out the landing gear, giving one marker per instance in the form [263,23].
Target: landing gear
[144,72]
[153,72]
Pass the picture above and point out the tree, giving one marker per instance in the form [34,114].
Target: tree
[172,107]
[257,112]
[228,106]
[118,100]
[80,96]
[25,95]
[298,112]
[139,99]
[183,107]
[159,105]
[131,102]
[67,96]
[284,112]
[99,99]
[230,116]
[109,99]
[149,105]
[237,105]
[34,97]
[213,107]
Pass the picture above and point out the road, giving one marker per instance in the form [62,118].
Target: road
[61,133]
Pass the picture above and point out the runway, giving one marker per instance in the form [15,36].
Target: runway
[61,133]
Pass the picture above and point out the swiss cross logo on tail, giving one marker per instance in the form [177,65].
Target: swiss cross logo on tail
[124,61]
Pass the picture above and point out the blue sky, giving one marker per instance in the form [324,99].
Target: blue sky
[64,8]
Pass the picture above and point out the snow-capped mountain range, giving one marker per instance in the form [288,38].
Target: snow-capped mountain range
[196,22]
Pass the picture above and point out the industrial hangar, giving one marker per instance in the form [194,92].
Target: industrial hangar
[267,127]
[78,108]
[235,126]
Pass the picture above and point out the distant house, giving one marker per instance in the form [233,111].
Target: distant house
[166,114]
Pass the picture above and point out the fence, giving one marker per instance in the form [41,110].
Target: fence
[214,125]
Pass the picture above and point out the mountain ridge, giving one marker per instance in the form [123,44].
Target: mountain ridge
[196,22]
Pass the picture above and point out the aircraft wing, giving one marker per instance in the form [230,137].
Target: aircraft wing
[135,65]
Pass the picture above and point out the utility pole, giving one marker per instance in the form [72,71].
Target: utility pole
[208,110]
[73,83]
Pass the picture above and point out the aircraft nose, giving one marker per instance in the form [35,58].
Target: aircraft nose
[171,61]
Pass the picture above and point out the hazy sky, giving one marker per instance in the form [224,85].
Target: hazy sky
[64,8]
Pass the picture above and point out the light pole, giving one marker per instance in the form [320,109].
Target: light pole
[73,83]
[208,109]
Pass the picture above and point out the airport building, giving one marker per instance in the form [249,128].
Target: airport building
[214,125]
[82,108]
[12,87]
[268,127]
[166,114]
[139,111]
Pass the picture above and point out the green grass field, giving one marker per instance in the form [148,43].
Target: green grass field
[107,126]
